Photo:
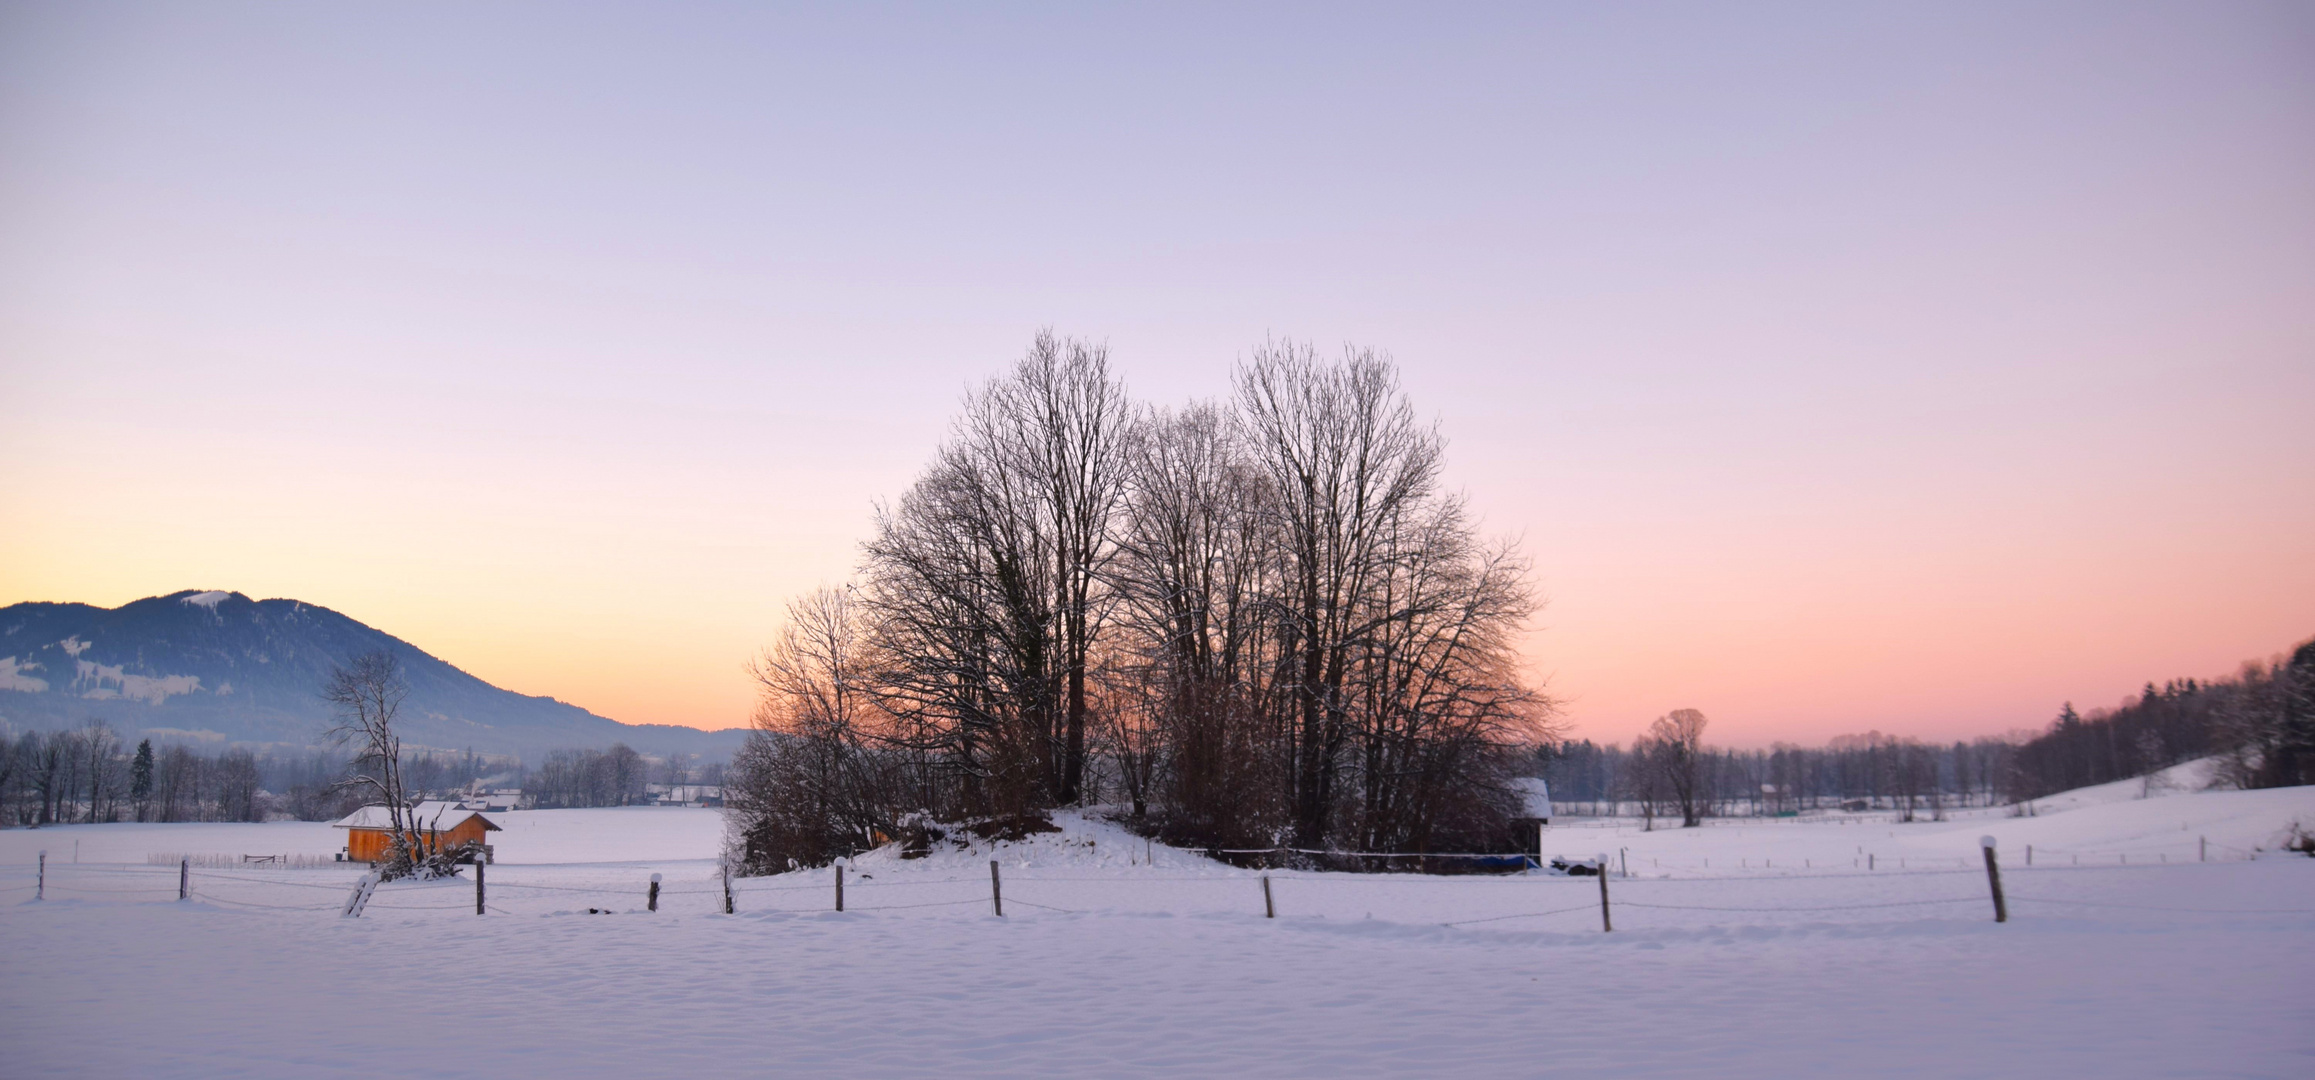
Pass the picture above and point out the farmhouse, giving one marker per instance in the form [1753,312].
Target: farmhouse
[436,825]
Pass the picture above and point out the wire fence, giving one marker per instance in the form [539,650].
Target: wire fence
[1542,899]
[216,861]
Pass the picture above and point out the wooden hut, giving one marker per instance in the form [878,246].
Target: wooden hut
[434,825]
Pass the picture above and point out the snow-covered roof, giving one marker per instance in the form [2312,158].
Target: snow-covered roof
[1535,794]
[435,816]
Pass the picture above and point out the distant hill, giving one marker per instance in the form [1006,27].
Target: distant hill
[218,668]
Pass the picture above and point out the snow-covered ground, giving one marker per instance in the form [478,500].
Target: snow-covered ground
[1782,957]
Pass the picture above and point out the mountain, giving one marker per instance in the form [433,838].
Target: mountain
[219,668]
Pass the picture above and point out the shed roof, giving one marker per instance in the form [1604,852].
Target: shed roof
[435,816]
[1535,795]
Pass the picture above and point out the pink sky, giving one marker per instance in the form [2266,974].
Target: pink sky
[1911,367]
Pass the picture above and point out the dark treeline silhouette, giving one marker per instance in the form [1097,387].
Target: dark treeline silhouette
[1256,623]
[1870,771]
[87,774]
[2260,724]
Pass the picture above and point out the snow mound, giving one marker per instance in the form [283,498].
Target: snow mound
[2181,779]
[1086,841]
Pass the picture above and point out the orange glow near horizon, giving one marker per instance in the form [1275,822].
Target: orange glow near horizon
[1908,369]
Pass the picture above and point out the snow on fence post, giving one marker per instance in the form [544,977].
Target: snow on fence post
[1607,926]
[478,886]
[727,909]
[996,889]
[839,886]
[185,878]
[651,899]
[1993,877]
[1269,910]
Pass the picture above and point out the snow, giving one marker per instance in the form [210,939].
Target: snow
[1534,796]
[431,815]
[1116,957]
[13,676]
[136,687]
[208,599]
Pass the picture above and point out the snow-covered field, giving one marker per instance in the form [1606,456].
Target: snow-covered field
[1782,957]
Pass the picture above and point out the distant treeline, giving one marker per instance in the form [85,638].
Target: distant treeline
[1881,771]
[89,774]
[2260,725]
[568,778]
[613,777]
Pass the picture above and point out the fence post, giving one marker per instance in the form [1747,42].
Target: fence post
[1868,861]
[996,889]
[1269,910]
[1622,863]
[839,886]
[478,886]
[651,899]
[727,908]
[1993,877]
[2203,850]
[184,877]
[1606,925]
[40,888]
[2029,854]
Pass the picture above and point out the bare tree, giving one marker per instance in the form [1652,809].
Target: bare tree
[367,695]
[1193,576]
[1678,738]
[812,782]
[101,748]
[1343,457]
[985,584]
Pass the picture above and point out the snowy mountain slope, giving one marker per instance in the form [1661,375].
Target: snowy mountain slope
[213,667]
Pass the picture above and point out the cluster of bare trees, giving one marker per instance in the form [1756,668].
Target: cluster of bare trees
[1251,623]
[568,778]
[87,775]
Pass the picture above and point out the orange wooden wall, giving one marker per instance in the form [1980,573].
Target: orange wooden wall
[369,845]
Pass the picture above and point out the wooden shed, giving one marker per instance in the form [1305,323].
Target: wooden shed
[435,825]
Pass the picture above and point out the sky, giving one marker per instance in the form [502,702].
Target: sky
[1900,367]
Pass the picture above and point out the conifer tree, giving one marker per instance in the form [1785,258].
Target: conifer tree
[141,776]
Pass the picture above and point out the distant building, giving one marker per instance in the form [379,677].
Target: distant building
[437,825]
[684,794]
[501,800]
